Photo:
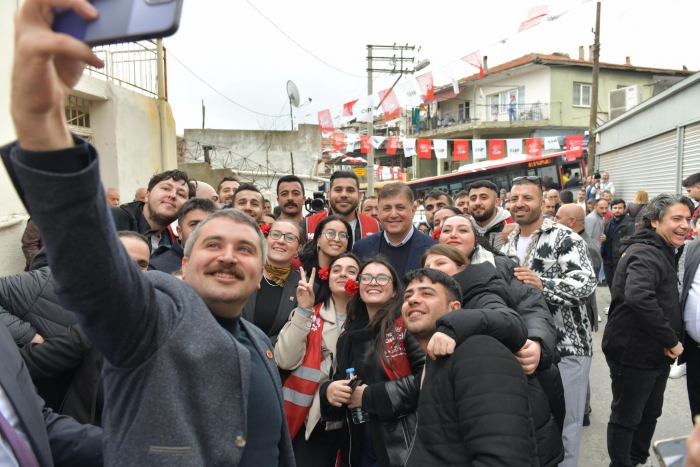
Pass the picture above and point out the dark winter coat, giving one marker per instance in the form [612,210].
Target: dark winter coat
[625,230]
[168,261]
[130,217]
[645,315]
[391,404]
[29,305]
[70,352]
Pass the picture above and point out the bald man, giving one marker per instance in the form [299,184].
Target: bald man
[205,190]
[141,195]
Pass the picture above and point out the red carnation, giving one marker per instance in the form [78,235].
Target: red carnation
[323,273]
[265,229]
[436,234]
[351,287]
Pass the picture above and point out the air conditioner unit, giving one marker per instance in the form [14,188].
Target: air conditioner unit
[623,99]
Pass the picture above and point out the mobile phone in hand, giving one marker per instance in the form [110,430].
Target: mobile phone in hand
[354,382]
[671,452]
[122,21]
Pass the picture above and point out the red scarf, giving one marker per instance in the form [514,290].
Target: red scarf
[396,352]
[302,383]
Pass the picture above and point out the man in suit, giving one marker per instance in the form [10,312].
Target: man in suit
[400,241]
[187,382]
[690,306]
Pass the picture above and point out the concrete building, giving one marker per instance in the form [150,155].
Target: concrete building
[655,145]
[552,94]
[133,132]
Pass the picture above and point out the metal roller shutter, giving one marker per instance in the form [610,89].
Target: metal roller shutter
[648,165]
[691,150]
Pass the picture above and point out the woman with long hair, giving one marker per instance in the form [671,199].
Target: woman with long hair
[385,359]
[636,208]
[332,237]
[307,346]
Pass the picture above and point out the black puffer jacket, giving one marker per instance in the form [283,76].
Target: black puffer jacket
[545,388]
[391,404]
[29,305]
[645,313]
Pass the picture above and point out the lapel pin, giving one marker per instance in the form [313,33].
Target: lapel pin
[269,354]
[291,299]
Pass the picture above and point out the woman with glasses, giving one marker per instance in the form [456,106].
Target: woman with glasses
[539,356]
[307,345]
[332,237]
[270,307]
[385,359]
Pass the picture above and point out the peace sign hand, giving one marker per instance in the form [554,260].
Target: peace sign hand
[305,290]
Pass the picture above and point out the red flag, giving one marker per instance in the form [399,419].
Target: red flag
[338,140]
[365,144]
[347,108]
[534,17]
[461,152]
[423,148]
[496,149]
[474,59]
[390,104]
[533,147]
[574,147]
[425,81]
[391,145]
[325,121]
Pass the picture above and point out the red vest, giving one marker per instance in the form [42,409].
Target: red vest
[368,225]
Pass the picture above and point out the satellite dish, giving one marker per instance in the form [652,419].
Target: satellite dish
[293,93]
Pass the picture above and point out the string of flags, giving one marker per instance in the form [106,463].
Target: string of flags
[420,90]
[482,149]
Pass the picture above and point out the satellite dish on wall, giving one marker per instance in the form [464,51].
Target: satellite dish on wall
[293,93]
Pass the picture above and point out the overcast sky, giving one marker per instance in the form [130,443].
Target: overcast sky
[232,47]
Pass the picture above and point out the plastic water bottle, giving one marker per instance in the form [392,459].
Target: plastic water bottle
[358,415]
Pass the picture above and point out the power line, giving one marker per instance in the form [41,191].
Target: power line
[299,45]
[170,53]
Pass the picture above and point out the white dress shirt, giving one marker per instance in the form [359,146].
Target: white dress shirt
[7,456]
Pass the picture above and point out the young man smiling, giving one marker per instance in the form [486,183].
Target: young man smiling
[489,219]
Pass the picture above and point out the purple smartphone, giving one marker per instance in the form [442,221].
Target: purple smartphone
[122,21]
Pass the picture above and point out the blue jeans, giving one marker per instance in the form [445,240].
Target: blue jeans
[638,397]
[512,115]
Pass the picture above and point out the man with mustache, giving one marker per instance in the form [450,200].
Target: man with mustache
[290,197]
[165,195]
[187,382]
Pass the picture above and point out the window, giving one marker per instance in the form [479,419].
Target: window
[582,94]
[77,112]
[463,112]
[503,99]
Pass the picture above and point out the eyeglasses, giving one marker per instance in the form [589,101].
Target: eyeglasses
[529,178]
[289,238]
[331,234]
[381,279]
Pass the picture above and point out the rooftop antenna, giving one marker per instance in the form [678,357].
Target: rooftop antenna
[293,94]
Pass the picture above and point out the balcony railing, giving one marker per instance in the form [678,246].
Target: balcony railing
[132,65]
[487,114]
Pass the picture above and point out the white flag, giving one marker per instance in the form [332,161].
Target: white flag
[515,147]
[363,110]
[337,116]
[350,140]
[440,147]
[409,147]
[479,149]
[551,142]
[377,141]
[409,93]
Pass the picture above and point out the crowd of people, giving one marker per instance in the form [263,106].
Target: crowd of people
[197,326]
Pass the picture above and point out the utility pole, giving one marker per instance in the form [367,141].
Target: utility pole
[204,113]
[594,96]
[393,62]
[161,105]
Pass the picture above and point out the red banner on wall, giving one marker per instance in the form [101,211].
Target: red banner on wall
[533,147]
[338,140]
[425,82]
[390,104]
[365,144]
[325,121]
[574,147]
[497,149]
[423,148]
[391,145]
[461,151]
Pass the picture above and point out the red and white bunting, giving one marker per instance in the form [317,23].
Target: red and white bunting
[363,110]
[337,115]
[461,151]
[423,148]
[325,121]
[390,104]
[440,146]
[534,17]
[574,147]
[474,59]
[365,144]
[392,144]
[425,81]
[497,149]
[533,147]
[515,147]
[409,147]
[409,93]
[338,140]
[351,139]
[347,108]
[551,142]
[479,149]
[377,141]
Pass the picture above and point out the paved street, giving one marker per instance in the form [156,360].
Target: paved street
[674,422]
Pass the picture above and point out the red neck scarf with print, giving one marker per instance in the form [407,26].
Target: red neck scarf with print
[396,351]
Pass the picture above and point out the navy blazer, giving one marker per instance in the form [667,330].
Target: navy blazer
[55,440]
[420,242]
